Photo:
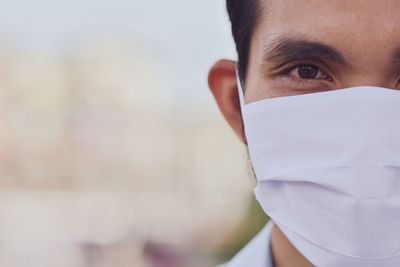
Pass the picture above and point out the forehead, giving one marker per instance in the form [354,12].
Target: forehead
[341,23]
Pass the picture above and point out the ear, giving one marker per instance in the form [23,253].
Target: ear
[223,84]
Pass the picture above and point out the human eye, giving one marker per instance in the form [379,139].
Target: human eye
[308,72]
[302,76]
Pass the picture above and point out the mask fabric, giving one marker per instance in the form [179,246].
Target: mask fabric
[328,172]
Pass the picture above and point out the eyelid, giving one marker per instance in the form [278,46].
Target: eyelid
[288,70]
[306,85]
[296,65]
[317,62]
[280,74]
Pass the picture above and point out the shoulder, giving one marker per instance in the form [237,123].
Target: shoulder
[256,253]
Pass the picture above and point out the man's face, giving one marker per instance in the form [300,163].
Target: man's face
[305,46]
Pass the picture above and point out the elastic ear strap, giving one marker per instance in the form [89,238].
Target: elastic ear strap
[240,87]
[241,100]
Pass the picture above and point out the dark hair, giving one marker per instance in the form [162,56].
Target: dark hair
[243,15]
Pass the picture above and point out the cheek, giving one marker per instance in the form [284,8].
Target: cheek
[260,88]
[256,87]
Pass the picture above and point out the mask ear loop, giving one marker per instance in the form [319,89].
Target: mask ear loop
[241,94]
[241,102]
[240,88]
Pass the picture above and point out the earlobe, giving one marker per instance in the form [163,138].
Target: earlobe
[223,84]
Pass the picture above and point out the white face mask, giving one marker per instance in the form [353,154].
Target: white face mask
[328,172]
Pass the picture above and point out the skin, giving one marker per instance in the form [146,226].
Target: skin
[365,34]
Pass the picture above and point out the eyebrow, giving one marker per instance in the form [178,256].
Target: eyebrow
[284,49]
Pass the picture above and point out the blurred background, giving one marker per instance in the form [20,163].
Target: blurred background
[112,149]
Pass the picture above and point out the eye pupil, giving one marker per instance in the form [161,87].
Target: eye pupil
[307,72]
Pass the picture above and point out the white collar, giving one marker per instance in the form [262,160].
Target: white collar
[256,253]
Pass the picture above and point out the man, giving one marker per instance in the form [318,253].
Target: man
[338,206]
